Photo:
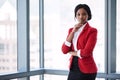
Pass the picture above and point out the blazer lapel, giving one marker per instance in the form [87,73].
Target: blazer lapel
[85,28]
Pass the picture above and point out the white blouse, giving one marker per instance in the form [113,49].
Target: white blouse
[75,38]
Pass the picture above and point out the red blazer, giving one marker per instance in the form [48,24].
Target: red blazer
[86,43]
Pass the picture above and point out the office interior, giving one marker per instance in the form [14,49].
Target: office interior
[32,32]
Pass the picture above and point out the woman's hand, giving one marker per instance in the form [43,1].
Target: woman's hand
[73,53]
[76,27]
[71,35]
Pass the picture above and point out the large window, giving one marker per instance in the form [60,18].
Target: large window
[8,36]
[34,34]
[58,18]
[33,31]
[118,37]
[34,37]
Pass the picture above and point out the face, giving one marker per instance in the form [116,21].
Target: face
[82,16]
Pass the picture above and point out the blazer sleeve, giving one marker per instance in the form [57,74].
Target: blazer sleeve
[90,44]
[65,48]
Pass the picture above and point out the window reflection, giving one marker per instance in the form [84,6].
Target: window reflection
[8,36]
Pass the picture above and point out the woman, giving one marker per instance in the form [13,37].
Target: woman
[80,43]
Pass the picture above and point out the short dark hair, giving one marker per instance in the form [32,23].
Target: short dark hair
[84,6]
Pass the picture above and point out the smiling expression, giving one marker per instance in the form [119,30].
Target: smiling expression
[82,15]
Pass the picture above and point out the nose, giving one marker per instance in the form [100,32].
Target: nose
[80,17]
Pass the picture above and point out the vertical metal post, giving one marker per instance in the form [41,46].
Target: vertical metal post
[111,36]
[106,36]
[23,37]
[41,34]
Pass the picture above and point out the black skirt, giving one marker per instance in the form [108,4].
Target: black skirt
[76,74]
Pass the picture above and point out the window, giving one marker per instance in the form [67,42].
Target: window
[31,37]
[55,77]
[2,48]
[8,36]
[58,18]
[118,37]
[34,34]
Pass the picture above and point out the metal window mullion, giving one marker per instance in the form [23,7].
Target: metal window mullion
[23,37]
[41,34]
[111,36]
[106,36]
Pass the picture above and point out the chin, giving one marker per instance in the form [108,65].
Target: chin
[82,22]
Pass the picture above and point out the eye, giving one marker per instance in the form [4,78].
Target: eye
[78,14]
[84,14]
